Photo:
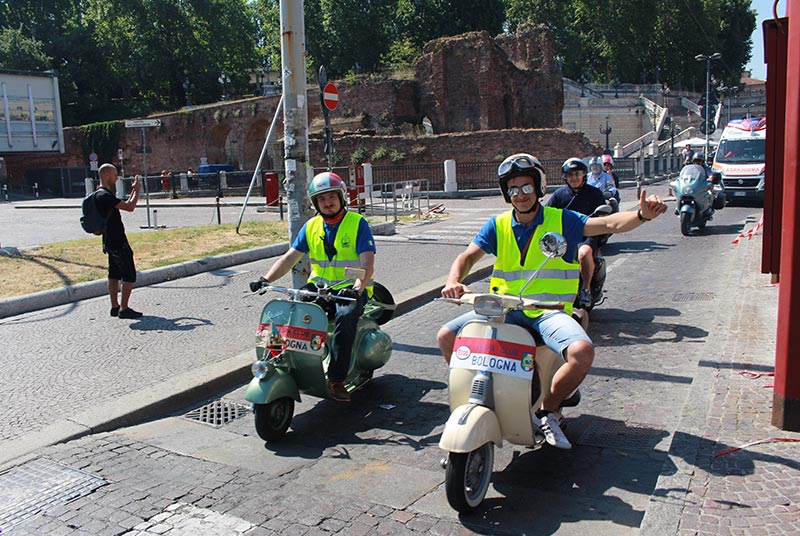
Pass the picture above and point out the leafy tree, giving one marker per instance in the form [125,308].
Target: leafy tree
[20,52]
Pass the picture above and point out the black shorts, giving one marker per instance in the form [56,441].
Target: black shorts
[120,265]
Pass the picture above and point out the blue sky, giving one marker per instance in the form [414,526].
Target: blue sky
[763,10]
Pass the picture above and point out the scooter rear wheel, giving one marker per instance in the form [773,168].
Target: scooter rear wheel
[467,478]
[273,419]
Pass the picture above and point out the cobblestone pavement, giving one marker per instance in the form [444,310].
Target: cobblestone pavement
[663,396]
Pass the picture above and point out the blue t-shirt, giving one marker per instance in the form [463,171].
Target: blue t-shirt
[364,239]
[571,226]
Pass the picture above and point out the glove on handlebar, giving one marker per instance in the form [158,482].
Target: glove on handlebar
[347,293]
[255,286]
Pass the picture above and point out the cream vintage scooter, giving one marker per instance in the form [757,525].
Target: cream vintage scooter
[497,374]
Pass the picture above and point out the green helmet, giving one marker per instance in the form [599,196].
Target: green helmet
[327,181]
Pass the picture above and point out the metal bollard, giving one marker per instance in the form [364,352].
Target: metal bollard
[219,216]
[280,205]
[639,187]
[36,189]
[155,218]
[5,193]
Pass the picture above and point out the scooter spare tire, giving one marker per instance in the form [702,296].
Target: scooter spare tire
[467,477]
[273,419]
[382,294]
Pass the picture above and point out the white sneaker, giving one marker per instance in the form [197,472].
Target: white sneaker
[552,432]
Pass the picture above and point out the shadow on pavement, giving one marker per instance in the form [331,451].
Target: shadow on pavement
[158,323]
[618,327]
[608,476]
[615,246]
[388,411]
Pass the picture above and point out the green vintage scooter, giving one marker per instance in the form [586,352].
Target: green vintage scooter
[292,350]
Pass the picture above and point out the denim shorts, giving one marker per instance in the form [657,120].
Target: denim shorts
[557,329]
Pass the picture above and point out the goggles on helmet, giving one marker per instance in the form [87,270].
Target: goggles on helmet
[517,163]
[527,189]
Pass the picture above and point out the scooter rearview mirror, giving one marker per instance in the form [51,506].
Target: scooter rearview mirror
[553,245]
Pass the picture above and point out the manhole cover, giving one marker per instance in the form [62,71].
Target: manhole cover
[218,412]
[29,489]
[692,296]
[621,435]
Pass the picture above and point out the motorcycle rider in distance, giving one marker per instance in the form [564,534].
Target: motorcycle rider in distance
[334,239]
[583,198]
[608,167]
[508,237]
[699,158]
[603,182]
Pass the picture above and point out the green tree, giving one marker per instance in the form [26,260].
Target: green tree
[19,52]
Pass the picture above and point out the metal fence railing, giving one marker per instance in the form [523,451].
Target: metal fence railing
[430,177]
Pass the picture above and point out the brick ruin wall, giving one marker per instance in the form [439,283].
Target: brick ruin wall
[484,97]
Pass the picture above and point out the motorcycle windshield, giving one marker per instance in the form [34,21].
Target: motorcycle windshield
[692,174]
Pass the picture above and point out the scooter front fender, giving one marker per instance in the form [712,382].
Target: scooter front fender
[277,385]
[469,427]
[687,207]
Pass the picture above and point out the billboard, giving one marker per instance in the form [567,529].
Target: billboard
[30,115]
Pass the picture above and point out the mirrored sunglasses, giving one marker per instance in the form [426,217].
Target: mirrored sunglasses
[527,189]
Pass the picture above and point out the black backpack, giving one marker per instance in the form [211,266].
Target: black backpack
[92,220]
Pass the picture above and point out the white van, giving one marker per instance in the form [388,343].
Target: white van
[740,158]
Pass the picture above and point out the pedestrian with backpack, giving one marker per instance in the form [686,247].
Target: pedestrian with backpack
[115,243]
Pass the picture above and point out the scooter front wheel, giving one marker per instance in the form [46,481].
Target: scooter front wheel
[467,477]
[272,419]
[686,223]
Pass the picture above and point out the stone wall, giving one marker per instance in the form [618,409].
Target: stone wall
[475,82]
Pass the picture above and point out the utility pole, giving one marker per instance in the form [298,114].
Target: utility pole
[295,121]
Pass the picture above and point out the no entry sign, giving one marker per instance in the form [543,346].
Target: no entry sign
[330,96]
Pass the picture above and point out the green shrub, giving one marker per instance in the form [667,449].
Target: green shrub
[381,151]
[359,155]
[396,156]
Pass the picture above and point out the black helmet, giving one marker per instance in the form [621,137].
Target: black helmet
[699,155]
[519,165]
[574,164]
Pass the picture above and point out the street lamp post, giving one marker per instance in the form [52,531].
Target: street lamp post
[707,59]
[224,79]
[606,131]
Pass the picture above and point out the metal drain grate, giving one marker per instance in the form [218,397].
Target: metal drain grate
[29,489]
[621,435]
[218,412]
[692,296]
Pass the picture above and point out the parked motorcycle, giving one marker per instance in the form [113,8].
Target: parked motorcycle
[696,197]
[599,274]
[497,375]
[292,352]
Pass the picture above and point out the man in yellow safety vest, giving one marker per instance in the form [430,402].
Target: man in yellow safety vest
[334,240]
[512,237]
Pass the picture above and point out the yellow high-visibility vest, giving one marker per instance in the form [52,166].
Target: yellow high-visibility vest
[558,280]
[328,271]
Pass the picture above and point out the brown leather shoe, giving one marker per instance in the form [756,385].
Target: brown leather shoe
[338,391]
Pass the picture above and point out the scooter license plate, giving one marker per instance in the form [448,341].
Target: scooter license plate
[309,341]
[739,194]
[495,356]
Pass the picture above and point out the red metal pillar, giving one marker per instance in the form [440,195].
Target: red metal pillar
[786,396]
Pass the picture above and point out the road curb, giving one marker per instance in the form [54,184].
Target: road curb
[92,289]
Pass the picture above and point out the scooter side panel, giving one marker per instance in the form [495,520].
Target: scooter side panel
[469,427]
[512,396]
[278,385]
[547,362]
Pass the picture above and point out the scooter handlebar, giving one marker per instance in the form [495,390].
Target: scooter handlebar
[296,293]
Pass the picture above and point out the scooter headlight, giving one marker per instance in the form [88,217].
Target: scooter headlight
[688,190]
[259,369]
[488,306]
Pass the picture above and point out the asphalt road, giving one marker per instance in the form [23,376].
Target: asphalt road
[380,452]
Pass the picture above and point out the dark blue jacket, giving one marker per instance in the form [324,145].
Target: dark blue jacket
[584,201]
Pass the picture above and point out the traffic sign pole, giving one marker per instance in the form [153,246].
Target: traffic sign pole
[144,123]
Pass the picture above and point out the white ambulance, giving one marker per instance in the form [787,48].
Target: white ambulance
[740,158]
